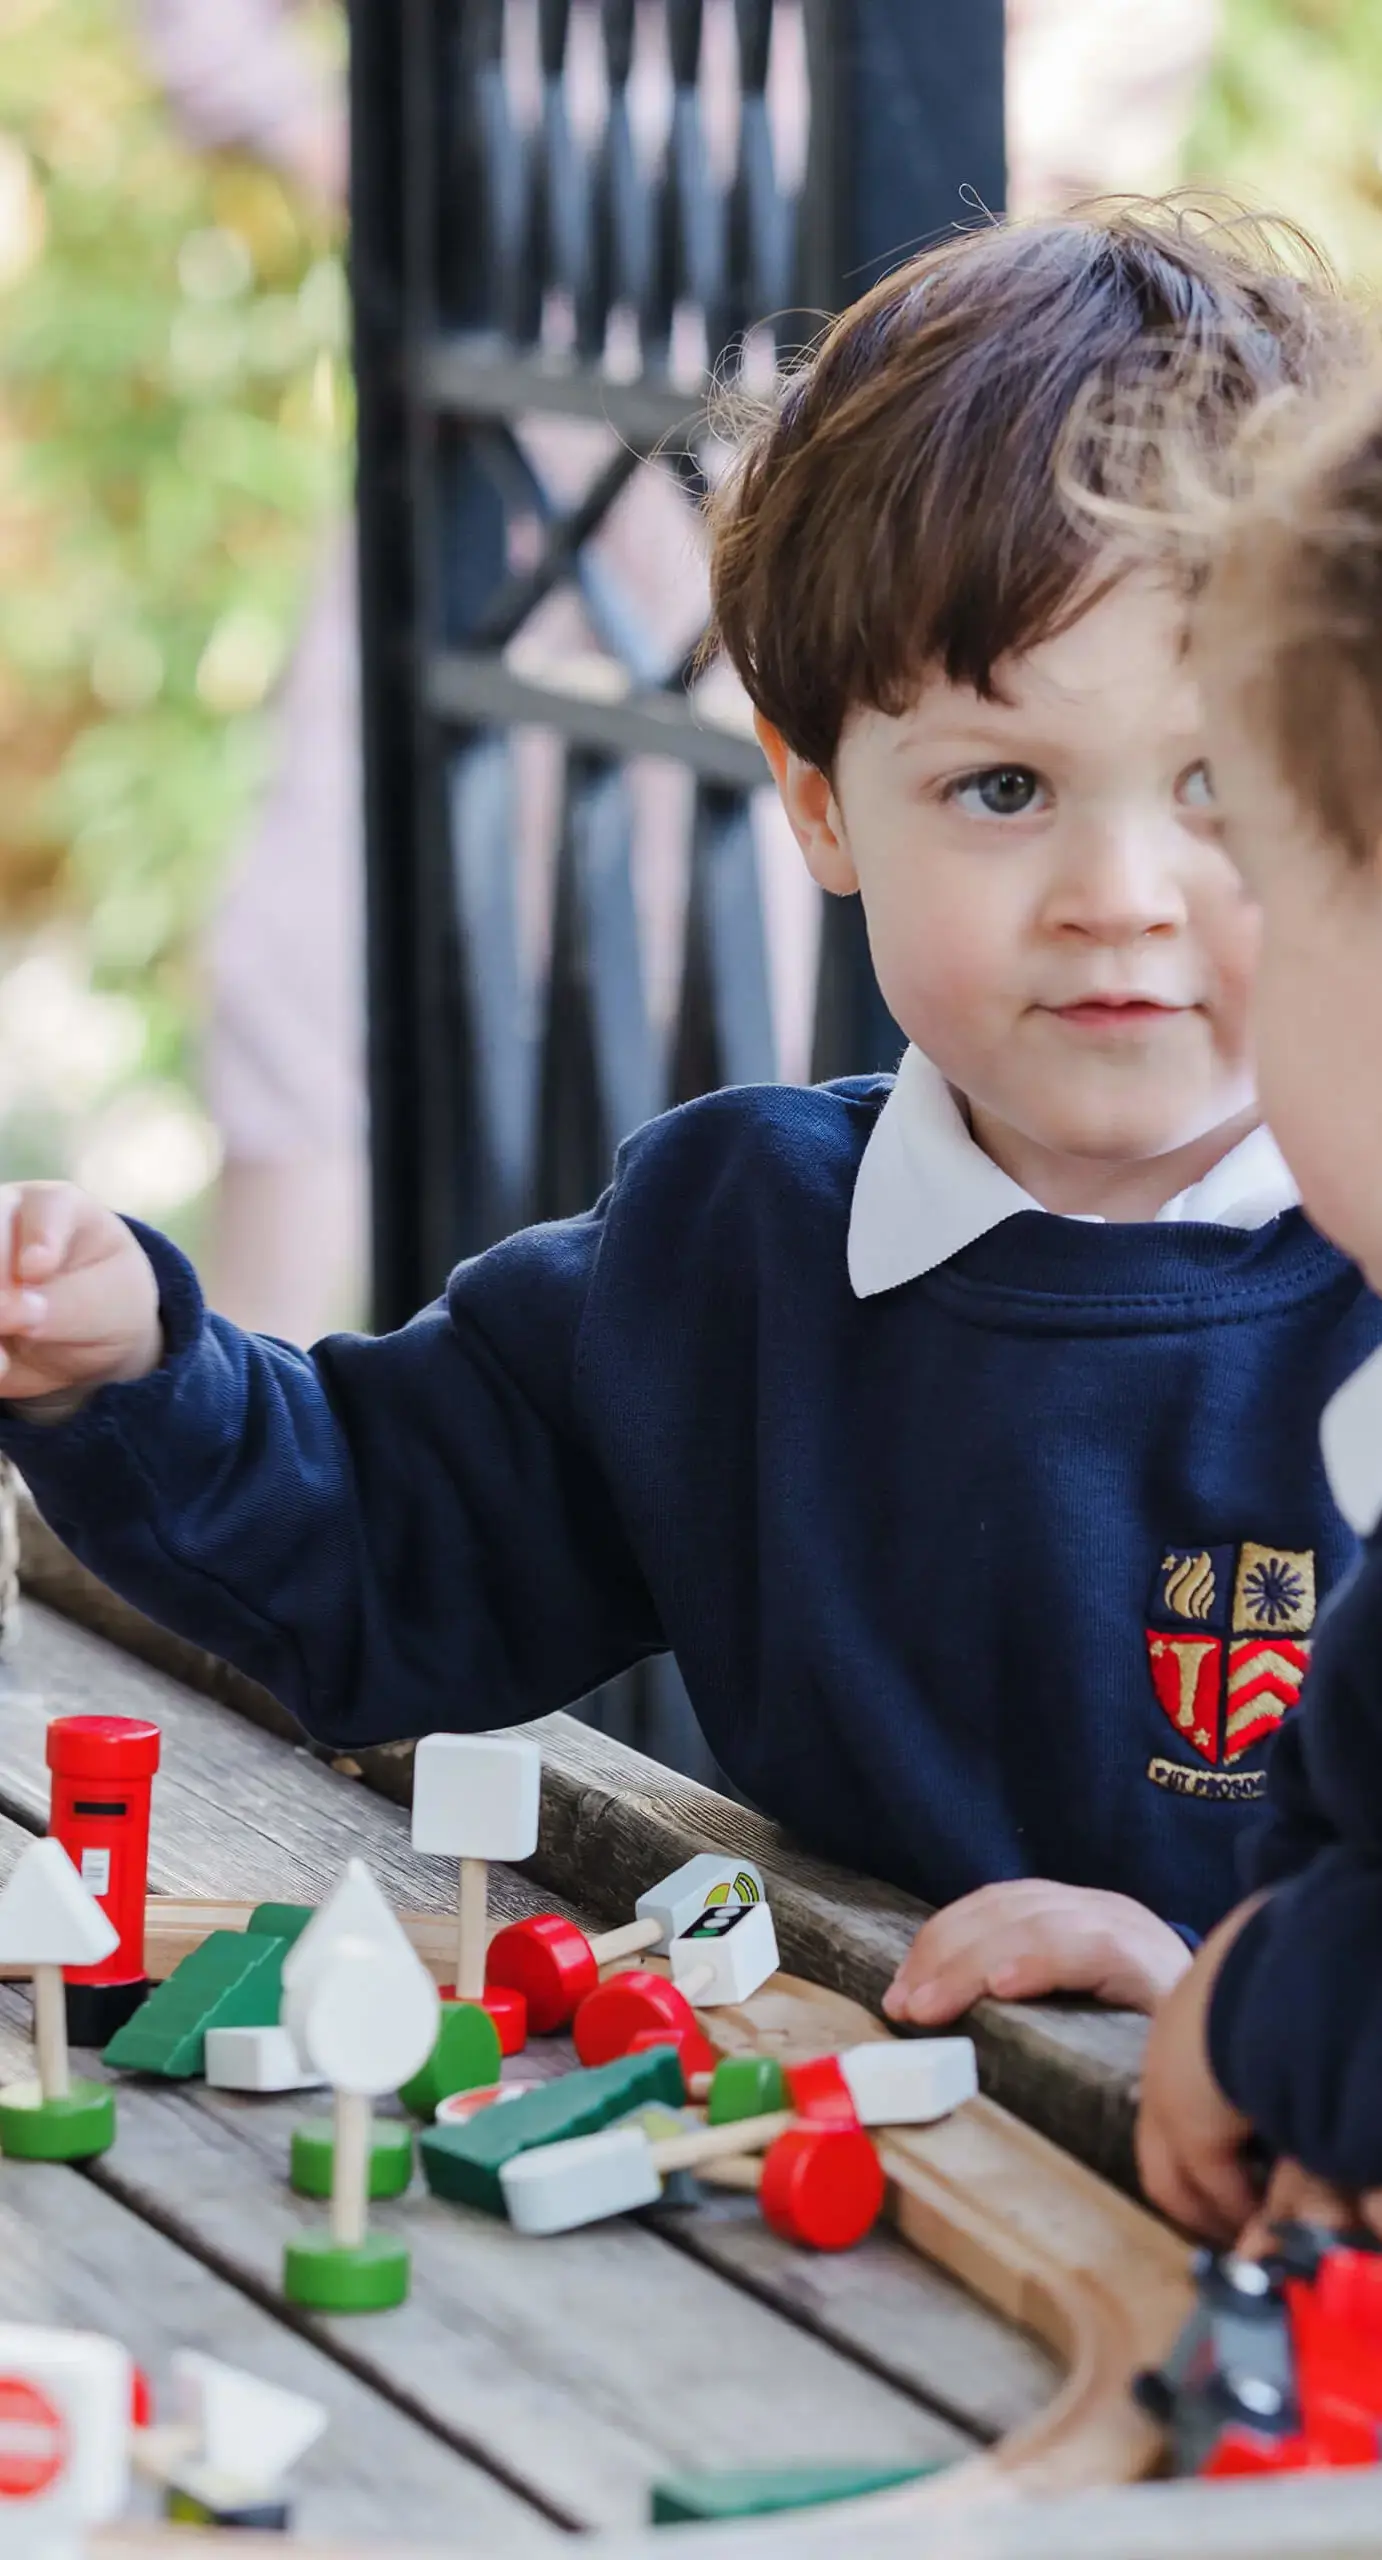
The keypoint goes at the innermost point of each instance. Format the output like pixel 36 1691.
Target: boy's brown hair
pixel 895 511
pixel 1292 604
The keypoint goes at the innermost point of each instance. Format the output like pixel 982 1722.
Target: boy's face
pixel 1317 1005
pixel 1052 917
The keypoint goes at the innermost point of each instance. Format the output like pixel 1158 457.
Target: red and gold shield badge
pixel 1228 1648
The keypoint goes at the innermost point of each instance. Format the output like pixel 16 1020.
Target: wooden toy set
pixel 700 2065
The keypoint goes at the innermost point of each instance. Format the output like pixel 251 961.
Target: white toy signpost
pixel 362 2010
pixel 726 1955
pixel 49 1919
pixel 64 2438
pixel 476 1799
pixel 556 1966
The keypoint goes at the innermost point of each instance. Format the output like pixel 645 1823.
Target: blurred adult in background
pixel 283 956
pixel 1100 94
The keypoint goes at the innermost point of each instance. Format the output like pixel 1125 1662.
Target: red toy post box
pixel 103 1772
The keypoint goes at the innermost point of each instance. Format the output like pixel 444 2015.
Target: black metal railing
pixel 569 217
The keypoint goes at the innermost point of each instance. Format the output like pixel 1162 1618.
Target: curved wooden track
pixel 1037 2236
pixel 1030 2231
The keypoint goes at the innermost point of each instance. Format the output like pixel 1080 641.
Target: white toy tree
pixel 362 2010
pixel 48 1919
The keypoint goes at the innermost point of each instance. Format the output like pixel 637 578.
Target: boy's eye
pixel 1195 789
pixel 999 791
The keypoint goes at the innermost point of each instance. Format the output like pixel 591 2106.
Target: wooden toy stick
pixel 50 2031
pixel 630 1940
pixel 350 2174
pixel 720 2141
pixel 472 1928
pixel 746 2175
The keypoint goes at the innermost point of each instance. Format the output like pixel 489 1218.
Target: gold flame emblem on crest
pixel 1189 1587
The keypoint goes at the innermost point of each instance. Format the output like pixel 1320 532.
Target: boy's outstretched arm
pixel 390 1534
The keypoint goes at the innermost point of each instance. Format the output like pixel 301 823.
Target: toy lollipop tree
pixel 363 2011
pixel 48 1919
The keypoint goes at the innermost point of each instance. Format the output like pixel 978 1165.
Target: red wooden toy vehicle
pixel 1279 2367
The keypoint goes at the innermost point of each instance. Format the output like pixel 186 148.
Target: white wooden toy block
pixel 259 2059
pixel 475 1795
pixel 248 2434
pixel 681 1897
pixel 475 1798
pixel 48 1916
pixel 726 1954
pixel 64 2438
pixel 565 2184
pixel 910 2083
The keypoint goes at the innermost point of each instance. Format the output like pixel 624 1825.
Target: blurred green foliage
pixel 1292 117
pixel 174 425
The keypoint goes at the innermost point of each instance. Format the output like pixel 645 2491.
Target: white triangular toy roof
pixel 47 1915
pixel 250 2430
pixel 355 1908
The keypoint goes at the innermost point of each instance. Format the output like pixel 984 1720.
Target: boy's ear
pixel 813 811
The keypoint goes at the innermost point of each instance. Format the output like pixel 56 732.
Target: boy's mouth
pixel 1113 1014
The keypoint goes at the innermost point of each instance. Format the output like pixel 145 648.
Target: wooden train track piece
pixel 1030 2231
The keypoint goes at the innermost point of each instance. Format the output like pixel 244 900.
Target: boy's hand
pixel 1189 2139
pixel 1018 1940
pixel 1296 2195
pixel 78 1297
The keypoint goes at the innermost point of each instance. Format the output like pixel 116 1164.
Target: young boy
pixel 1278 2027
pixel 989 1540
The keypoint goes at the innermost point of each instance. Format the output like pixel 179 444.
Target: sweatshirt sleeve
pixel 1295 2021
pixel 392 1534
pixel 1295 1826
pixel 1295 2018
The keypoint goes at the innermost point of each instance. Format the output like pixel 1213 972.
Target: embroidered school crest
pixel 1227 1646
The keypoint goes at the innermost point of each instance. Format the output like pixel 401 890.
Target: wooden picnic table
pixel 528 2391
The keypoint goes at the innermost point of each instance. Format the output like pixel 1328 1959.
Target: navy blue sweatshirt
pixel 1295 2026
pixel 1007 1571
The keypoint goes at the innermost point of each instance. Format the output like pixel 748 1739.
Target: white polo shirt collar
pixel 925 1190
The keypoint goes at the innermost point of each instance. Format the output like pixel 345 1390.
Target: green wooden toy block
pixel 313 2157
pixel 322 2276
pixel 462 2161
pixel 746 2084
pixel 713 2497
pixel 279 1920
pixel 466 2055
pixel 233 1979
pixel 76 2127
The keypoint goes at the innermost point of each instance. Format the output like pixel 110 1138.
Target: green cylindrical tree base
pixel 313 2158
pixel 76 2127
pixel 322 2276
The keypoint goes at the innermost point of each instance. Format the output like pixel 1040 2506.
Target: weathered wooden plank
pixel 613 1820
pixel 930 2334
pixel 1316 2516
pixel 228 1794
pixel 72 2256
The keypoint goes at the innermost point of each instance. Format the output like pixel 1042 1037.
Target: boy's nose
pixel 1118 886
